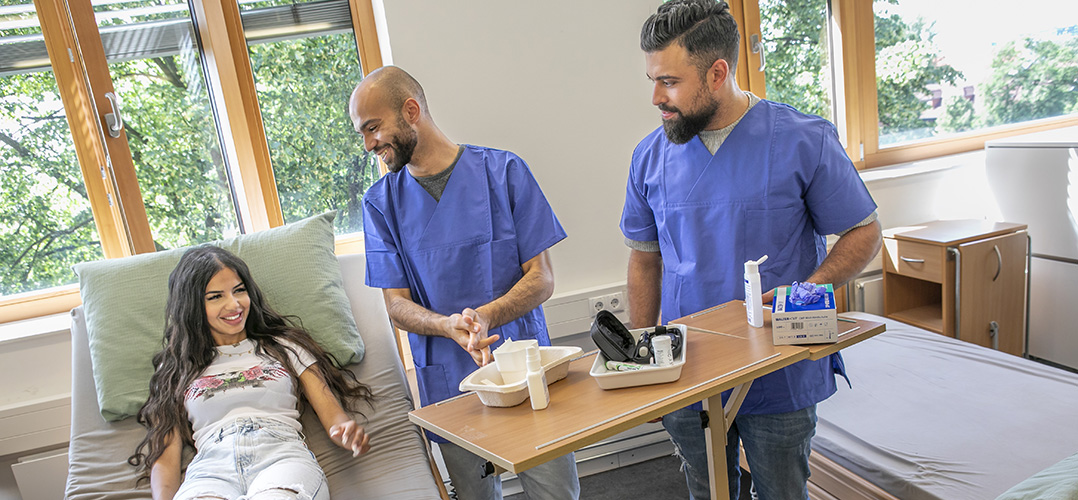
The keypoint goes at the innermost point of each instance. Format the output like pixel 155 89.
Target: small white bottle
pixel 663 347
pixel 754 307
pixel 537 389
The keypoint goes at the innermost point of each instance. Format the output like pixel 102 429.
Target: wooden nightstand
pixel 961 278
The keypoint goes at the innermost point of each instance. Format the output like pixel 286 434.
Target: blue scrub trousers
pixel 776 445
pixel 554 480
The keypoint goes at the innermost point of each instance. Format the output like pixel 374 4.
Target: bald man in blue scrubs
pixel 457 239
pixel 728 178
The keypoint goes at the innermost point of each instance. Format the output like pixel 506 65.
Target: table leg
pixel 715 435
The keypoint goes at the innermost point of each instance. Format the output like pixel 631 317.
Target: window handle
pixel 114 120
pixel 758 48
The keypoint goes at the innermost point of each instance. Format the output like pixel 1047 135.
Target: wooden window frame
pixel 125 231
pixel 236 101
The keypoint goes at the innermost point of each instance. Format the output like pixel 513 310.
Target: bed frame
pixel 831 481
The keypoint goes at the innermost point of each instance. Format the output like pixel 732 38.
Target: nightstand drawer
pixel 916 260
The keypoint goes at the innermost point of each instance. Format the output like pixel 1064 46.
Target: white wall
pixel 953 187
pixel 561 83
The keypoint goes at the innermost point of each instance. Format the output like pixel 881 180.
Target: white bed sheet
pixel 931 417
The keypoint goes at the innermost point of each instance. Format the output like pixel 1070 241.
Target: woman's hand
pixel 341 428
pixel 350 436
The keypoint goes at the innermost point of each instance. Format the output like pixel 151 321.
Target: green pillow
pixel 1058 482
pixel 124 300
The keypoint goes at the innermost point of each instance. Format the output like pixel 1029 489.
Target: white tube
pixel 754 307
pixel 537 389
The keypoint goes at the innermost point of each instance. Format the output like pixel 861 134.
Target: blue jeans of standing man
pixel 554 480
pixel 777 447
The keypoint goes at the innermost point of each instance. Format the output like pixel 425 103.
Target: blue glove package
pixel 805 293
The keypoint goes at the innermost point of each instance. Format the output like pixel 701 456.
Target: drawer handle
pixel 999 262
pixel 912 261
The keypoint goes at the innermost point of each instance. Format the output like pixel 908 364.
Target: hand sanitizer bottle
pixel 537 389
pixel 754 307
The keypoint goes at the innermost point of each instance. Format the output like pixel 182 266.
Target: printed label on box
pixel 815 323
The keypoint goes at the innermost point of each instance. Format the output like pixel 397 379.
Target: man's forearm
pixel 534 288
pixel 851 253
pixel 411 317
pixel 645 288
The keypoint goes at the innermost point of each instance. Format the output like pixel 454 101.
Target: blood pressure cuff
pixel 617 344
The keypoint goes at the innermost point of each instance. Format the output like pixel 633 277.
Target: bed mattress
pixel 931 417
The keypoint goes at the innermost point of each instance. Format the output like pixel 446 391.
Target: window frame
pixel 112 184
pixel 853 24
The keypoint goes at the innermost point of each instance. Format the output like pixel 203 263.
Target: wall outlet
pixel 616 301
pixel 613 302
pixel 573 313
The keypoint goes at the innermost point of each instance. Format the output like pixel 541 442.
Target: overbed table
pixel 722 352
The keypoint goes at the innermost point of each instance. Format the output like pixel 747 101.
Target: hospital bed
pixel 931 417
pixel 396 467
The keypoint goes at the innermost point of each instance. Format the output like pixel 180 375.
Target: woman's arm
pixel 342 429
pixel 165 472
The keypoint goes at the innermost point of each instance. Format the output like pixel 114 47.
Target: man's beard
pixel 685 126
pixel 403 145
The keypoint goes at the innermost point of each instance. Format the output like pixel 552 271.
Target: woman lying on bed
pixel 225 383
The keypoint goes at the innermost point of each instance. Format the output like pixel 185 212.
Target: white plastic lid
pixel 753 266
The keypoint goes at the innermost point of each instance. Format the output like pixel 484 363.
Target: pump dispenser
pixel 537 389
pixel 754 307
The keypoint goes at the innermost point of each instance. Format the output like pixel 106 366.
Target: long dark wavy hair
pixel 189 349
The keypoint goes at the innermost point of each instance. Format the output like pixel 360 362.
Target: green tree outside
pixel 46 224
pixel 1029 79
pixel 796 55
pixel 318 158
pixel 1032 79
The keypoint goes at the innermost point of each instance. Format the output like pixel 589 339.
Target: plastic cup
pixel 512 359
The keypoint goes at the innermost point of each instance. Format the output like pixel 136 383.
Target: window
pixel 319 163
pixel 911 79
pixel 46 221
pixel 153 62
pixel 191 162
pixel 943 68
pixel 798 54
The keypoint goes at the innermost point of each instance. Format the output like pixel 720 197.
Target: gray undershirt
pixel 712 140
pixel 435 184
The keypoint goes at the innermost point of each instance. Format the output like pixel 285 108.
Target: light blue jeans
pixel 255 458
pixel 777 447
pixel 554 480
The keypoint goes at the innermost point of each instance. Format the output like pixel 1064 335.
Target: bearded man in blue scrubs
pixel 729 178
pixel 457 239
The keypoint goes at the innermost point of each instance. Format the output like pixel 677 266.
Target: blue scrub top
pixel 779 183
pixel 463 251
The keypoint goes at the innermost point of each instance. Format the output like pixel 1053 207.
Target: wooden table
pixel 722 353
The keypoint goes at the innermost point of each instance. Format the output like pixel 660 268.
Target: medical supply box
pixel 815 323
